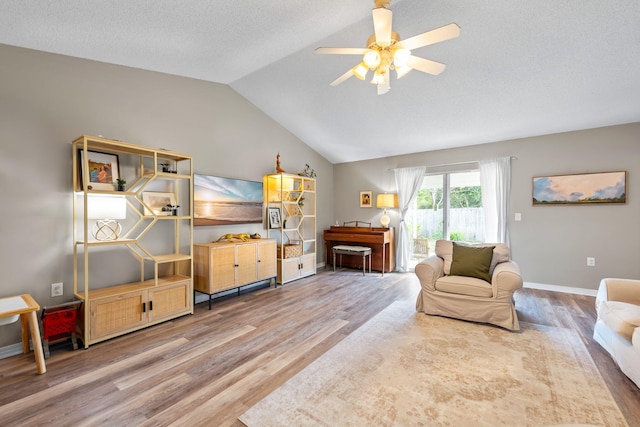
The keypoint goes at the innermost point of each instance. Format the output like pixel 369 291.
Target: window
pixel 448 206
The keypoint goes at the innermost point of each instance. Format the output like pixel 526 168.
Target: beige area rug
pixel 404 368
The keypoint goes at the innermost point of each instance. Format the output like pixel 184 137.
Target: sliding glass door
pixel 448 206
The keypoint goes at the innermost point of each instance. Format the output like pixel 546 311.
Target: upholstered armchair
pixel 474 283
pixel 617 328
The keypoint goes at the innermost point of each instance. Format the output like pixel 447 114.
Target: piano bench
pixel 362 251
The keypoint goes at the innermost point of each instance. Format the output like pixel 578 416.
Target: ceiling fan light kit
pixel 386 52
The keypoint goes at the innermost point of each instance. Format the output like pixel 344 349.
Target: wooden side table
pixel 26 307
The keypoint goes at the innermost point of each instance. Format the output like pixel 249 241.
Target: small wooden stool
pixel 352 250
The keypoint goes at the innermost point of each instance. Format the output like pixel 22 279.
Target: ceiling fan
pixel 385 51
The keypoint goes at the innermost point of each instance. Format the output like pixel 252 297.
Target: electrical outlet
pixel 518 216
pixel 57 289
pixel 591 261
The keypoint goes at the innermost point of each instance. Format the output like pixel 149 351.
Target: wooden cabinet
pixel 291 220
pixel 220 266
pixel 125 308
pixel 266 259
pixel 155 179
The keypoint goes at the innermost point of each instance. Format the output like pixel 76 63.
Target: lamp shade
pixel 387 201
pixel 106 209
pixel 106 206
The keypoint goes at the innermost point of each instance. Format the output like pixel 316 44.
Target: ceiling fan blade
pixel 342 78
pixel 341 50
pixel 385 86
pixel 425 65
pixel 382 24
pixel 430 37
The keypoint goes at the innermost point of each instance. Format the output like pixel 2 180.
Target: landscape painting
pixel 580 189
pixel 225 201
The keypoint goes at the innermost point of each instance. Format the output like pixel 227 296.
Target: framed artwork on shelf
pixel 580 189
pixel 158 204
pixel 103 171
pixel 274 218
pixel 365 199
pixel 226 201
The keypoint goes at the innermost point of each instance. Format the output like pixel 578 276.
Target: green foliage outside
pixel 459 197
pixel 456 236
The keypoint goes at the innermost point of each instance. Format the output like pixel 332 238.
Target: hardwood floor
pixel 209 368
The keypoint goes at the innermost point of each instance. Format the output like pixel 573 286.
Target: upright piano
pixel 380 240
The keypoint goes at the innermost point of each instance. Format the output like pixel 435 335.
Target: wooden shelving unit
pixel 294 197
pixel 165 286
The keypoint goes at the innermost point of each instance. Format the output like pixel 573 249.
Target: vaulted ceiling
pixel 519 68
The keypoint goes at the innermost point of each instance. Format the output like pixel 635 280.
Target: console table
pixel 25 306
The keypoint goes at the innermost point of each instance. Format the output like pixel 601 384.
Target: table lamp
pixel 106 209
pixel 386 201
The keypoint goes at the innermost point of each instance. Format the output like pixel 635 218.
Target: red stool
pixel 59 322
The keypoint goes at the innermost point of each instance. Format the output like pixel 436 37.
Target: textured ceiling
pixel 519 68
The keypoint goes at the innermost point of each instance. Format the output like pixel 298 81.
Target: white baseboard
pixel 565 289
pixel 12 350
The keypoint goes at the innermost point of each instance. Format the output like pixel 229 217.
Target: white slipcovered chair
pixel 444 292
pixel 617 327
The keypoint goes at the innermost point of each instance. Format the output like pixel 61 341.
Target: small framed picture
pixel 365 199
pixel 274 218
pixel 158 204
pixel 103 170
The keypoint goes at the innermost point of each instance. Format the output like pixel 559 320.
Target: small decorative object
pixel 165 167
pixel 243 236
pixel 278 168
pixel 121 182
pixel 365 199
pixel 308 172
pixel 172 208
pixel 274 218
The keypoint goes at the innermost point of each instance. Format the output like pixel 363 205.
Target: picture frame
pixel 366 198
pixel 580 189
pixel 226 201
pixel 156 203
pixel 275 220
pixel 104 170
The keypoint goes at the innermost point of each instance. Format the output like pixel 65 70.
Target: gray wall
pixel 551 243
pixel 48 100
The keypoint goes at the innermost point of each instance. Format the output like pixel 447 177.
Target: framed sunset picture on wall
pixel 580 189
pixel 225 201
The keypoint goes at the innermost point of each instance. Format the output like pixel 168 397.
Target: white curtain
pixel 495 179
pixel 408 183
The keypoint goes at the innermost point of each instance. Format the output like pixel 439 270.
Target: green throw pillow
pixel 471 261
